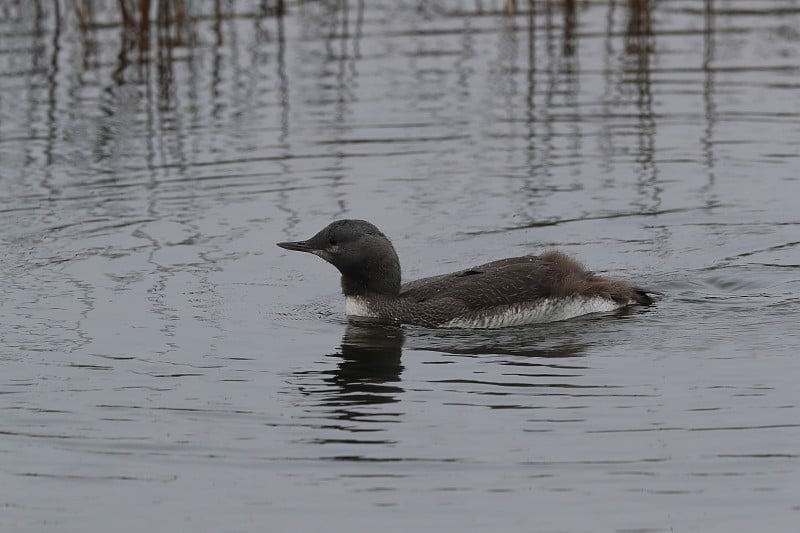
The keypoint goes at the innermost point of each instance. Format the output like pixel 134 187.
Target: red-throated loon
pixel 509 292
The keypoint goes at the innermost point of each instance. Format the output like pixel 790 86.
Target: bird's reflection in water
pixel 549 341
pixel 522 349
pixel 370 364
pixel 367 372
pixel 366 377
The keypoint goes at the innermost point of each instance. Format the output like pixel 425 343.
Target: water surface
pixel 166 366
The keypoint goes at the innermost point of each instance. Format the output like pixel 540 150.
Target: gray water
pixel 165 367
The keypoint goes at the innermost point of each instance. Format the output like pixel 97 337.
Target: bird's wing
pixel 502 282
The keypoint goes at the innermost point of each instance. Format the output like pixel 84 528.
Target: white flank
pixel 549 310
pixel 356 306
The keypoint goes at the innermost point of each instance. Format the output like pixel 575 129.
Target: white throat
pixel 357 306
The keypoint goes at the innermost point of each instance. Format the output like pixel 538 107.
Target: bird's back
pixel 511 291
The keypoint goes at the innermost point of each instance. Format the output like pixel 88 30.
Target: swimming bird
pixel 508 292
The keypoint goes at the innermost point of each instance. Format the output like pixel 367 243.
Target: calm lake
pixel 165 367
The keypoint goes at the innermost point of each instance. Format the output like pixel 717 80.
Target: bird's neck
pixel 385 282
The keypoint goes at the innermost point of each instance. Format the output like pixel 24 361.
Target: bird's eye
pixel 332 241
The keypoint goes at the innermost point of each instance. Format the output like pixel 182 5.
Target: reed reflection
pixel 640 47
pixel 570 22
pixel 709 105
